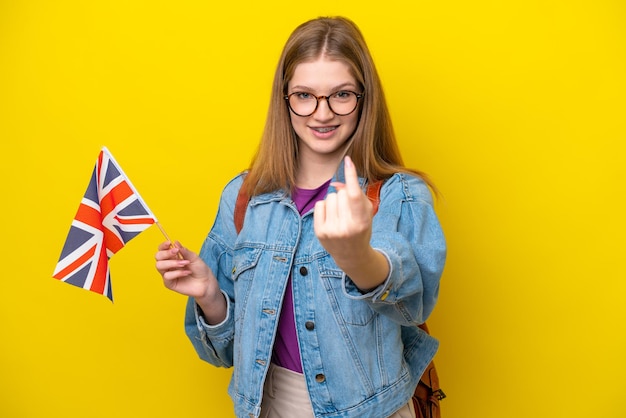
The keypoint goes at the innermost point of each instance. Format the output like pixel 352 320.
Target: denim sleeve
pixel 407 232
pixel 214 343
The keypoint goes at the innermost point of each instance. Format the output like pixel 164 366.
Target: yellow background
pixel 516 109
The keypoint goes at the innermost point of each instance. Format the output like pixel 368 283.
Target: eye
pixel 342 95
pixel 303 96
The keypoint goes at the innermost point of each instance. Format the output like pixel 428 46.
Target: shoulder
pixel 406 188
pixel 223 230
pixel 232 187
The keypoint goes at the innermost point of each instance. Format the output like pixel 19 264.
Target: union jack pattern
pixel 110 214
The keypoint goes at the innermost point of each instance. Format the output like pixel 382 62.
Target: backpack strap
pixel 241 204
pixel 373 194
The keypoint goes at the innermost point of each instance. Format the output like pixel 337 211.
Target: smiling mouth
pixel 324 129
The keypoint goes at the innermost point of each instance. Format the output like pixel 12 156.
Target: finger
pixel 172 271
pixel 162 255
pixel 330 212
pixel 168 254
pixel 171 277
pixel 352 179
pixel 319 216
pixel 183 253
pixel 338 186
pixel 169 264
pixel 170 249
pixel 164 245
pixel 174 248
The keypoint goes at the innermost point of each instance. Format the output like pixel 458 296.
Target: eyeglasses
pixel 341 103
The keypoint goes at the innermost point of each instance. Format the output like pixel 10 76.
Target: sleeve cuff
pixel 378 294
pixel 217 330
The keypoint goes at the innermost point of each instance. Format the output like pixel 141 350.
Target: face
pixel 323 134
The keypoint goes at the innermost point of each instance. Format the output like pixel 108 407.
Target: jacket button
pixel 303 271
pixel 320 378
pixel 310 325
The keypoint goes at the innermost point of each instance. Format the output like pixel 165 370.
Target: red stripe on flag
pixel 79 262
pixel 115 196
pixel 90 216
pixel 134 221
pixel 100 278
pixel 111 241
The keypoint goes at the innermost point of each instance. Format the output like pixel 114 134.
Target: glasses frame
pixel 359 96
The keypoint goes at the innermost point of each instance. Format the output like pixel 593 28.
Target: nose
pixel 323 111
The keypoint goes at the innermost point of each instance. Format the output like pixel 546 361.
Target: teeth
pixel 324 130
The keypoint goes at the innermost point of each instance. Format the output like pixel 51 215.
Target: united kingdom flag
pixel 110 214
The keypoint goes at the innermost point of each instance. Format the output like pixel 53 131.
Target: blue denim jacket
pixel 362 354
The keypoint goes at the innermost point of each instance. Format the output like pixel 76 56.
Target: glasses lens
pixel 343 102
pixel 303 104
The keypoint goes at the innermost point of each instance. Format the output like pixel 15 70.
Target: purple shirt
pixel 286 349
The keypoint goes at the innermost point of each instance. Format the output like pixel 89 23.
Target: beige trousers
pixel 285 396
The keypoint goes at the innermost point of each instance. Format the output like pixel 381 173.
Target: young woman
pixel 315 301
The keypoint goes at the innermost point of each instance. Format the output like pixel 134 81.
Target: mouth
pixel 323 129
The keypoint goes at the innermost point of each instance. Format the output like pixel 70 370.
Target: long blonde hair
pixel 374 149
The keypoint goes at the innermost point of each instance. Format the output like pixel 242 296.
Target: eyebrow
pixel 334 89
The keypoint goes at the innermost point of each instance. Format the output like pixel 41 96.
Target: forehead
pixel 322 74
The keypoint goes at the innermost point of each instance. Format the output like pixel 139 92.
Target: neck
pixel 312 174
pixel 315 170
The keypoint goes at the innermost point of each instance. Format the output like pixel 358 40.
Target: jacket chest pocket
pixel 348 310
pixel 245 261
